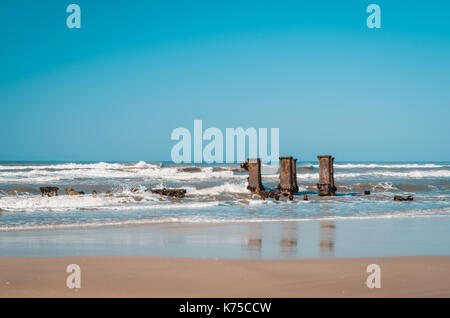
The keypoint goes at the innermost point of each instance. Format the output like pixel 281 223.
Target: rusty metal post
pixel 253 166
pixel 326 176
pixel 288 175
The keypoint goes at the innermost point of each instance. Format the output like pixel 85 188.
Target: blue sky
pixel 116 88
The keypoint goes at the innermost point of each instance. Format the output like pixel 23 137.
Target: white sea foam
pixel 141 201
pixel 224 188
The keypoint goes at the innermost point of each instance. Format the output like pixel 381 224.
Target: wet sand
pixel 144 276
pixel 362 238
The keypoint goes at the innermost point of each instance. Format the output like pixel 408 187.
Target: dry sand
pixel 123 276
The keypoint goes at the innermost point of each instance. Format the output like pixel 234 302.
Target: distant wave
pixel 66 166
pixel 414 174
pixel 150 172
pixel 110 171
pixel 388 166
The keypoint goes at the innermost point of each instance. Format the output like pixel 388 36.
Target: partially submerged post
pixel 49 191
pixel 326 176
pixel 176 193
pixel 400 198
pixel 288 175
pixel 253 166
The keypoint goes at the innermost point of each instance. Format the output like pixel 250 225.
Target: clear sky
pixel 116 88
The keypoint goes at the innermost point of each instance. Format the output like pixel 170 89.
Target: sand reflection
pixel 254 241
pixel 288 240
pixel 327 238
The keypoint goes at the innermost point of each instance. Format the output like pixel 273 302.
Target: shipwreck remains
pixel 288 175
pixel 326 185
pixel 176 193
pixel 286 195
pixel 400 198
pixel 70 191
pixel 253 166
pixel 49 191
pixel 274 194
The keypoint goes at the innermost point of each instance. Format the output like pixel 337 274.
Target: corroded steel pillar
pixel 253 166
pixel 288 175
pixel 326 176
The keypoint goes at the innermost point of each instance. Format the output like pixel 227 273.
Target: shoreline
pixel 144 276
pixel 386 237
pixel 197 223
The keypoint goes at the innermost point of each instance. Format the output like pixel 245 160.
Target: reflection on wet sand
pixel 254 241
pixel 288 241
pixel 327 238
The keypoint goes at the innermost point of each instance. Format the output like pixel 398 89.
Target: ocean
pixel 215 193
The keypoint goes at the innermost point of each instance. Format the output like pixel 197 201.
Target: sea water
pixel 215 193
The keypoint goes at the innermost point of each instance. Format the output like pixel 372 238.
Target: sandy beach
pixel 124 276
pixel 272 259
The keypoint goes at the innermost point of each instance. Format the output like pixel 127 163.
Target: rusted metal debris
pixel 400 198
pixel 274 194
pixel 253 166
pixel 326 185
pixel 70 191
pixel 176 193
pixel 286 195
pixel 288 175
pixel 49 191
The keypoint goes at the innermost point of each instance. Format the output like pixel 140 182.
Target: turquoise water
pixel 215 194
